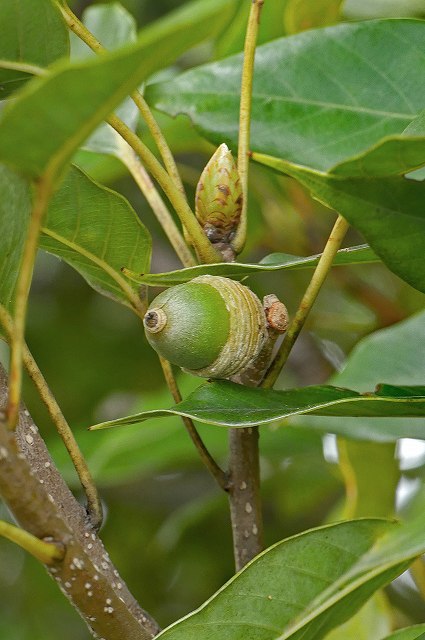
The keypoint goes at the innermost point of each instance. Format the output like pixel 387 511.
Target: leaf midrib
pixel 302 101
pixel 124 287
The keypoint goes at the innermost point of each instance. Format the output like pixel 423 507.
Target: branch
pixel 244 467
pixel 42 194
pixel 45 552
pixel 42 504
pixel 159 208
pixel 94 505
pixel 137 170
pixel 204 248
pixel 245 116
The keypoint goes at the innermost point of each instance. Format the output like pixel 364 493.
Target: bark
pixel 42 504
pixel 244 495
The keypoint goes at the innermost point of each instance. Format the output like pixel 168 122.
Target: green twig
pixel 45 552
pixel 218 474
pixel 159 208
pixel 94 505
pixel 245 116
pixel 86 36
pixel 244 467
pixel 320 273
pixel 43 192
pixel 204 248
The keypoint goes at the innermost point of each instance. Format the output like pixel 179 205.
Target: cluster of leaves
pixel 330 112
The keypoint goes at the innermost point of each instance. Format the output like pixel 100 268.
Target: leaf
pixel 15 209
pixel 417 126
pixel 274 262
pixel 96 231
pixel 392 155
pixel 310 14
pixel 76 98
pixel 372 622
pixel 393 354
pixel 225 403
pixel 371 474
pixel 301 587
pixel 231 40
pixel 113 26
pixel 319 98
pixel 417 632
pixel 365 10
pixel 389 212
pixel 31 32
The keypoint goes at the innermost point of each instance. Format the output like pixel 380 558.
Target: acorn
pixel 212 326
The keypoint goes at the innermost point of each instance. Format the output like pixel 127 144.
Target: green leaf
pixel 113 26
pixel 319 98
pixel 69 103
pixel 15 210
pixel 310 14
pixel 31 32
pixel 389 212
pixel 372 622
pixel 233 36
pixel 371 473
pixel 365 10
pixel 416 632
pixel 96 231
pixel 392 155
pixel 360 254
pixel 225 403
pixel 393 354
pixel 417 126
pixel 301 587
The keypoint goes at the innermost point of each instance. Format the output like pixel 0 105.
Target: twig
pixel 204 248
pixel 159 208
pixel 94 505
pixel 218 474
pixel 86 36
pixel 333 244
pixel 245 116
pixel 244 494
pixel 42 195
pixel 46 552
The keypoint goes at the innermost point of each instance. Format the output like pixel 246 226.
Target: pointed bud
pixel 218 199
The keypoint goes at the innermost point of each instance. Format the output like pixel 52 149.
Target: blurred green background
pixel 167 525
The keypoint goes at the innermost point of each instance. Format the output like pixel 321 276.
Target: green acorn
pixel 212 327
pixel 218 198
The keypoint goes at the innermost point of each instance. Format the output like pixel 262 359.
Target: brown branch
pixel 43 505
pixel 244 495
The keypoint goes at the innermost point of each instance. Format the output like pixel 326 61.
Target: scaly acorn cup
pixel 218 198
pixel 212 327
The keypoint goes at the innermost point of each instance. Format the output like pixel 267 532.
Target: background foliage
pixel 158 497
